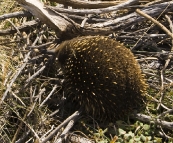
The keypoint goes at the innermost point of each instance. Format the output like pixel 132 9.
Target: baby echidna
pixel 102 75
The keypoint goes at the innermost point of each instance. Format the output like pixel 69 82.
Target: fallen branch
pixel 155 22
pixel 74 116
pixel 15 14
pixel 88 4
pixel 95 11
pixel 24 27
pixel 148 119
pixel 59 22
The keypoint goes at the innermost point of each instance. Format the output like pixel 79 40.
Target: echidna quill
pixel 102 75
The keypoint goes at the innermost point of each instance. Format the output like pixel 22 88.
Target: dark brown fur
pixel 102 75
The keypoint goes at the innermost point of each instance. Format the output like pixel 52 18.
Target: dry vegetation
pixel 32 104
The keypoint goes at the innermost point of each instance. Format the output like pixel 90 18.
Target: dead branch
pixel 24 27
pixel 74 116
pixel 132 18
pixel 76 138
pixel 148 119
pixel 95 11
pixel 15 14
pixel 88 4
pixel 59 22
pixel 65 26
pixel 156 22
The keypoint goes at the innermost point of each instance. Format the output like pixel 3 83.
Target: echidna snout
pixel 102 75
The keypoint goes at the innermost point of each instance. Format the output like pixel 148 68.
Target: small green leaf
pixel 157 140
pixel 146 127
pixel 136 138
pixel 131 134
pixel 131 141
pixel 143 138
pixel 148 138
pixel 121 131
pixel 127 136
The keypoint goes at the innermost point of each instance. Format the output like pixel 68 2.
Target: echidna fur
pixel 102 75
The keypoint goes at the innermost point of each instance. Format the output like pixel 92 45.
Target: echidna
pixel 102 75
